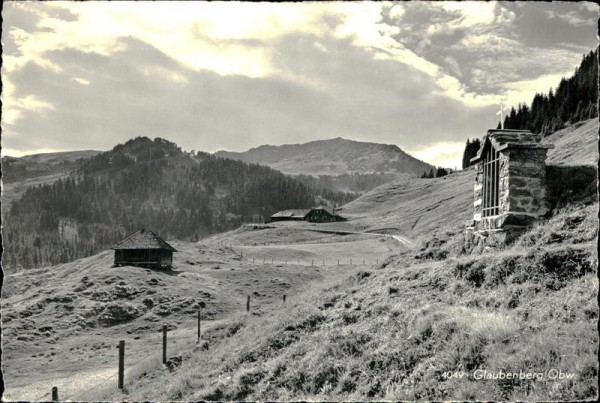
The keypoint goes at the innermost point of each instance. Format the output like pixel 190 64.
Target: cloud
pixel 572 18
pixel 129 96
pixel 91 74
pixel 480 49
pixel 447 154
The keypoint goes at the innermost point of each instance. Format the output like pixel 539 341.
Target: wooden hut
pixel 144 249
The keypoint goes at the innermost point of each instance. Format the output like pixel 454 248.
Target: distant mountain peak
pixel 335 156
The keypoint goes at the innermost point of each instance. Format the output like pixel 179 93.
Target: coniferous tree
pixel 146 184
pixel 470 151
pixel 573 100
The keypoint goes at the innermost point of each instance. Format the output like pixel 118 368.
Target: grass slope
pixel 575 145
pixel 31 170
pixel 394 331
pixel 62 323
pixel 415 207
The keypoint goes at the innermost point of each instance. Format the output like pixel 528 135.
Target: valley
pixel 299 201
pixel 63 323
pixel 369 291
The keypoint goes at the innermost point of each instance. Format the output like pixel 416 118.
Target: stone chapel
pixel 510 185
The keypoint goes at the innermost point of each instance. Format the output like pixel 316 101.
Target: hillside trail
pixel 76 384
pixel 402 239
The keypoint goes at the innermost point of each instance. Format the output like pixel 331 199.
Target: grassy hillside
pixel 60 323
pixel 575 145
pixel 402 329
pixel 423 325
pixel 332 157
pixel 31 170
pixel 416 207
pixel 35 165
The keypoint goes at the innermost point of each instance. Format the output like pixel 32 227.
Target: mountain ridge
pixel 343 156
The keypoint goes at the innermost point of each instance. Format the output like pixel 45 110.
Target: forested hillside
pixel 145 184
pixel 29 166
pixel 575 99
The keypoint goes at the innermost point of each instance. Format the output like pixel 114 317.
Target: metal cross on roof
pixel 501 113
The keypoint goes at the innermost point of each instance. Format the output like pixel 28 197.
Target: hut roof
pixel 292 213
pixel 143 239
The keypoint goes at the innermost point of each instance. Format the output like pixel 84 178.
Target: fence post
pixel 284 299
pixel 350 262
pixel 312 262
pixel 338 262
pixel 164 344
pixel 248 304
pixel 271 260
pixel 55 394
pixel 201 305
pixel 121 363
pixel 199 310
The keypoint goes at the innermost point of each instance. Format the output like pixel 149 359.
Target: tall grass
pixel 395 332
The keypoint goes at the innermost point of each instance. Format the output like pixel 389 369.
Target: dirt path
pixel 402 239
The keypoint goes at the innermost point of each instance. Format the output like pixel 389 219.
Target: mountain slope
pixel 28 166
pixel 414 328
pixel 574 145
pixel 416 207
pixel 20 173
pixel 332 157
pixel 145 184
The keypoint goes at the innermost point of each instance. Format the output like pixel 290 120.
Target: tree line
pixel 574 100
pixel 435 173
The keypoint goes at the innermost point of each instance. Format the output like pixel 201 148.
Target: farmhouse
pixel 290 215
pixel 144 249
pixel 510 184
pixel 316 215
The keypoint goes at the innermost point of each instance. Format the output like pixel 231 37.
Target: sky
pixel 231 76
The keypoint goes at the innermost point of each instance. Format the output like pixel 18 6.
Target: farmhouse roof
pixel 327 209
pixel 292 213
pixel 504 139
pixel 143 239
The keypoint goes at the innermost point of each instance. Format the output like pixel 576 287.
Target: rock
pixel 115 313
pixel 173 363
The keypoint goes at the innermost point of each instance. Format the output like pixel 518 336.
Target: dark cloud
pixel 329 87
pixel 16 17
pixel 130 94
pixel 518 47
pixel 536 29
